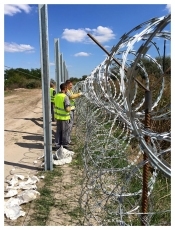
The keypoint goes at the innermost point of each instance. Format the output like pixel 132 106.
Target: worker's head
pixel 51 85
pixel 63 87
pixel 69 84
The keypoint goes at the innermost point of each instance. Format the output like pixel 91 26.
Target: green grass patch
pixel 46 201
pixel 43 204
pixel 76 213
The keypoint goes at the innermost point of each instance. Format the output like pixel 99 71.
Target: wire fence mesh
pixel 110 122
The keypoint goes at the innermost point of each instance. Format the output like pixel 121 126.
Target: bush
pixel 33 84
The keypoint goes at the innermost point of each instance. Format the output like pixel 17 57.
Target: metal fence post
pixel 62 70
pixel 148 102
pixel 57 64
pixel 43 30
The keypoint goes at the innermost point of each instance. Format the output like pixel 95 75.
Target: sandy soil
pixel 23 132
pixel 23 144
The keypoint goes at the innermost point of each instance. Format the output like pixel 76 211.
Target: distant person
pixel 62 117
pixel 72 96
pixel 52 96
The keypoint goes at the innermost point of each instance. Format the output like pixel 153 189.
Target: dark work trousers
pixel 71 119
pixel 62 136
pixel 52 110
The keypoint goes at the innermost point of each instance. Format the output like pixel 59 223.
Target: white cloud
pixel 13 47
pixel 12 9
pixel 52 63
pixel 102 34
pixel 74 35
pixel 87 29
pixel 168 7
pixel 82 54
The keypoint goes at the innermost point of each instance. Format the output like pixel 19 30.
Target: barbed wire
pixel 110 123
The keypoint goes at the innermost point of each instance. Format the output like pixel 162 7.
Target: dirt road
pixel 23 132
pixel 23 145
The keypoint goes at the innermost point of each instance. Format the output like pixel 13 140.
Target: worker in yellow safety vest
pixel 52 96
pixel 62 117
pixel 72 96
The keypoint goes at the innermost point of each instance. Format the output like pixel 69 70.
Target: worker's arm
pixel 69 108
pixel 67 105
pixel 74 95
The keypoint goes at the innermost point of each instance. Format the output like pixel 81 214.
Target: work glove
pixel 82 93
pixel 73 107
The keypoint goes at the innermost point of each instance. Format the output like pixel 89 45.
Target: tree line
pixel 25 78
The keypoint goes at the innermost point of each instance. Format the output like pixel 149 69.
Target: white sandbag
pixel 62 161
pixel 10 193
pixel 28 186
pixel 12 208
pixel 32 180
pixel 62 156
pixel 28 195
pixel 14 212
pixel 13 181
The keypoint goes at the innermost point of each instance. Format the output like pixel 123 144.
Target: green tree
pixel 83 77
pixel 74 80
pixel 22 78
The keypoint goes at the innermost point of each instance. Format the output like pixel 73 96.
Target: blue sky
pixel 71 23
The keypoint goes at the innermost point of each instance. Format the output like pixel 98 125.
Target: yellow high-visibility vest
pixel 59 111
pixel 51 94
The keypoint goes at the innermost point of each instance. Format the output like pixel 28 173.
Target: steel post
pixel 44 52
pixel 57 64
pixel 148 102
pixel 61 64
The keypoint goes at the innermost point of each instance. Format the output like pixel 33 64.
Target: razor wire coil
pixel 110 118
